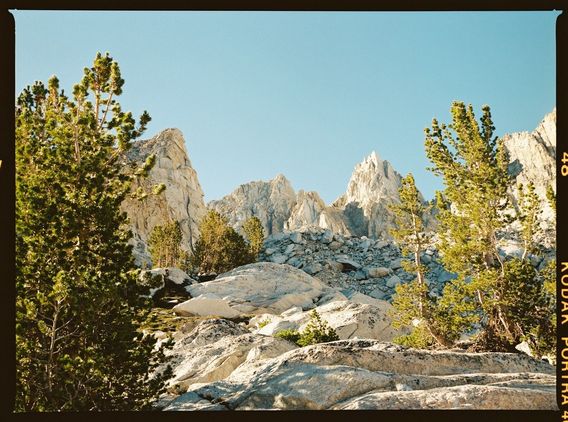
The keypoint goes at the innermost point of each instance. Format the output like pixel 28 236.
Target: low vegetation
pixel 317 331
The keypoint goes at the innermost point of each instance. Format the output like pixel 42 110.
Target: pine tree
pixel 528 215
pixel 255 235
pixel 551 197
pixel 473 210
pixel 219 247
pixel 542 336
pixel 164 244
pixel 78 304
pixel 412 302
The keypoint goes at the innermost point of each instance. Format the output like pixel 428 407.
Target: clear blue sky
pixel 308 95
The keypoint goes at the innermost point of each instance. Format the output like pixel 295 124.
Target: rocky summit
pixel 270 202
pixel 182 200
pixel 361 211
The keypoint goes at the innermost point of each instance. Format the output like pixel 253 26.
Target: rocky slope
pixel 532 157
pixel 182 200
pixel 351 264
pixel 237 363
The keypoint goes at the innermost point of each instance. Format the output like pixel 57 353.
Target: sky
pixel 305 94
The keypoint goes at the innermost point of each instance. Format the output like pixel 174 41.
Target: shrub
pixel 418 338
pixel 290 335
pixel 263 323
pixel 317 331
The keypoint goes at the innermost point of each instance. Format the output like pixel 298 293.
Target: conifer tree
pixel 542 336
pixel 255 235
pixel 412 301
pixel 551 197
pixel 164 244
pixel 78 303
pixel 219 247
pixel 528 215
pixel 473 210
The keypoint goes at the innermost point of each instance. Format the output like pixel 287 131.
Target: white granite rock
pixel 271 202
pixel 377 271
pixel 306 210
pixel 214 349
pixel 206 305
pixel 349 319
pixel 366 374
pixel 263 288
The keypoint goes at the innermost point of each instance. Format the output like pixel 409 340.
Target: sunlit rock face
pixel 182 200
pixel 367 374
pixel 271 202
pixel 306 210
pixel 532 159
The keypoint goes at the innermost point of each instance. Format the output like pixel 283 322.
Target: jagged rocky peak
pixel 182 200
pixel 270 201
pixel 373 180
pixel 361 211
pixel 373 186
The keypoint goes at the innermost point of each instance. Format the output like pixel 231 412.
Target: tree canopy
pixel 503 296
pixel 219 247
pixel 254 234
pixel 78 303
pixel 164 244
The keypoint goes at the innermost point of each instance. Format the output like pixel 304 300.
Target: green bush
pixel 263 323
pixel 418 338
pixel 290 335
pixel 317 331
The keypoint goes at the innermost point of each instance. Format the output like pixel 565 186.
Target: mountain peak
pixel 374 157
pixel 280 178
